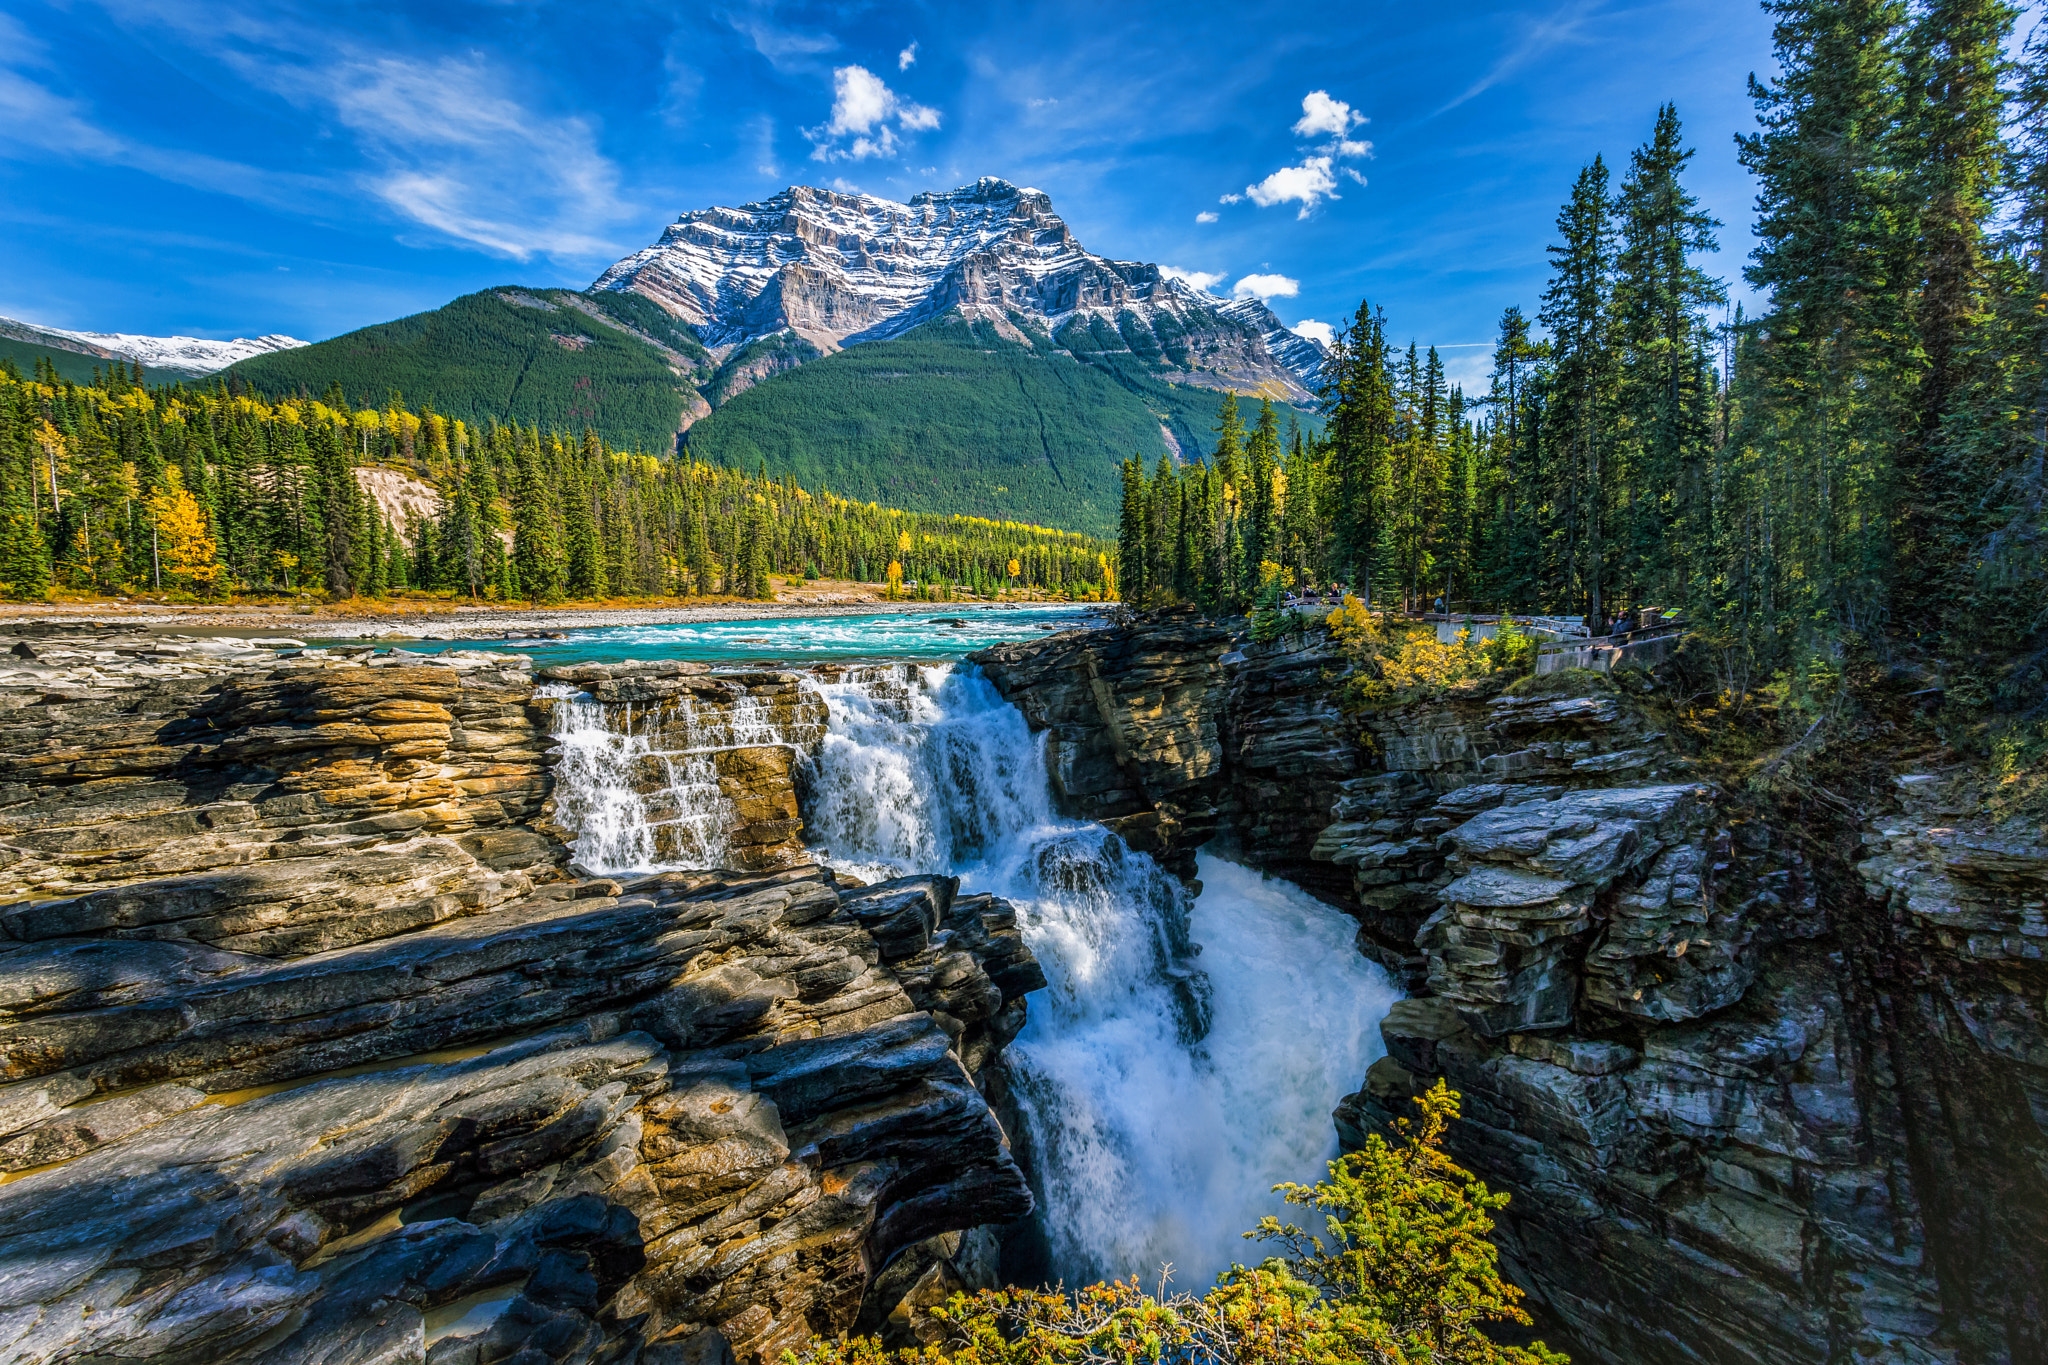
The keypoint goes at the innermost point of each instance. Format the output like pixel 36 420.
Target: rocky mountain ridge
pixel 188 356
pixel 1759 1092
pixel 836 269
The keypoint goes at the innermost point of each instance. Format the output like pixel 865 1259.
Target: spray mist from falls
pixel 1164 1088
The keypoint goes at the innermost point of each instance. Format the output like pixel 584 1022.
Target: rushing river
pixel 1189 1050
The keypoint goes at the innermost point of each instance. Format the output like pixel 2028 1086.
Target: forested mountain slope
pixel 954 417
pixel 548 357
pixel 975 358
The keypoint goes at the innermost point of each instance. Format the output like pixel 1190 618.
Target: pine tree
pixel 1575 310
pixel 1952 155
pixel 1660 302
pixel 1359 402
pixel 1834 366
pixel 1131 541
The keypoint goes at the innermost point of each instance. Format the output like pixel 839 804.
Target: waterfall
pixel 1164 1086
pixel 638 785
pixel 1188 1051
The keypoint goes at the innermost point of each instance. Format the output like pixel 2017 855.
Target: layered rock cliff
pixel 1766 1084
pixel 312 1048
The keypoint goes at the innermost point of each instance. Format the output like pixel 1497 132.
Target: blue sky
pixel 222 169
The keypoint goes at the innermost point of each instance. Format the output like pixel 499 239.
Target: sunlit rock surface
pixel 312 1048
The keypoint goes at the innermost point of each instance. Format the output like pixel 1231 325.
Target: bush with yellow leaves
pixel 1406 1277
pixel 1394 662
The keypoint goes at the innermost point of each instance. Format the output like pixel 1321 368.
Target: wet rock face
pixel 1748 1107
pixel 263 1118
pixel 742 736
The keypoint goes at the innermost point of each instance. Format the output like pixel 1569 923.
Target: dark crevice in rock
pixel 1764 1084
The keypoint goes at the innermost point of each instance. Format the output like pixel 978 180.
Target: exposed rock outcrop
pixel 1751 1106
pixel 310 1050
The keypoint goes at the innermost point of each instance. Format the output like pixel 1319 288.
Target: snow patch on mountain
pixel 194 355
pixel 841 268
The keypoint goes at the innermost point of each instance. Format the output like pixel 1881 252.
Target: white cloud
pixel 1194 279
pixel 906 58
pixel 1230 199
pixel 1205 216
pixel 862 105
pixel 1315 178
pixel 1308 184
pixel 1315 331
pixel 1265 287
pixel 859 100
pixel 1321 114
pixel 461 158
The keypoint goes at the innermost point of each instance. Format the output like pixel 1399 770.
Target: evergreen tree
pixel 1661 296
pixel 1575 310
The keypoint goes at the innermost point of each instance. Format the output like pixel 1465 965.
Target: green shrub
pixel 1407 1276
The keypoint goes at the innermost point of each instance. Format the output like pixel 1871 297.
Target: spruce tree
pixel 1575 310
pixel 1660 302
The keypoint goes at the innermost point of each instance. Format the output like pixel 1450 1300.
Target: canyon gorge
pixel 369 1005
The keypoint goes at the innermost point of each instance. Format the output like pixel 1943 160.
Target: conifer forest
pixel 113 487
pixel 1856 466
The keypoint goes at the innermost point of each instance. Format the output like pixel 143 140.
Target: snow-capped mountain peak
pixel 190 355
pixel 840 268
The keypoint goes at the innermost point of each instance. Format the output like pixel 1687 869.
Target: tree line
pixel 1861 460
pixel 118 487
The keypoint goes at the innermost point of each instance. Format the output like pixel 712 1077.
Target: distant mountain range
pixel 960 353
pixel 161 357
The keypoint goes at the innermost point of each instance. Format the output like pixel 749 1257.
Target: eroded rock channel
pixel 1760 1093
pixel 332 1030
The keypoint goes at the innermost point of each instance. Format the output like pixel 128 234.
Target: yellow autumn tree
pixel 895 578
pixel 185 551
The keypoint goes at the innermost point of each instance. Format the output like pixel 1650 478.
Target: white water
pixel 638 785
pixel 1164 1088
pixel 1163 1093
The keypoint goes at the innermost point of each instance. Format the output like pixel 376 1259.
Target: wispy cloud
pixel 1205 216
pixel 465 160
pixel 787 49
pixel 1538 37
pixel 1315 331
pixel 437 139
pixel 1265 287
pixel 862 107
pixel 907 57
pixel 45 123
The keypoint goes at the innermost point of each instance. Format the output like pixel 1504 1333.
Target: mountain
pixel 553 358
pixel 162 358
pixel 841 269
pixel 958 353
